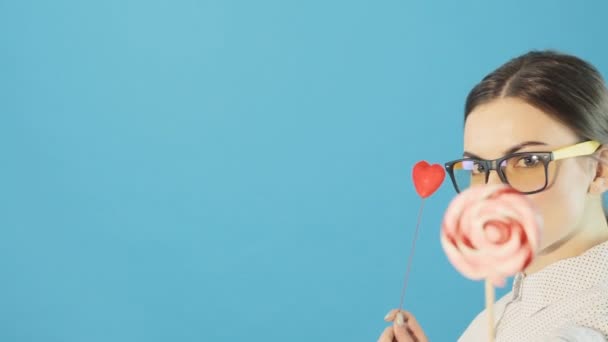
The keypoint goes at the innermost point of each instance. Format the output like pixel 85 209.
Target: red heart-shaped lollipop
pixel 427 178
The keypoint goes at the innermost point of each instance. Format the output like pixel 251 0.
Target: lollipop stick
pixel 490 308
pixel 409 262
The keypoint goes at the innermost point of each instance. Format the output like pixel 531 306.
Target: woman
pixel 515 117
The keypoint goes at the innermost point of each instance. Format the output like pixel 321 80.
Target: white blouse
pixel 565 301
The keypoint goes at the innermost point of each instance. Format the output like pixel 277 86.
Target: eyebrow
pixel 510 150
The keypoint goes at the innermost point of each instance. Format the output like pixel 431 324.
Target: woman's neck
pixel 592 231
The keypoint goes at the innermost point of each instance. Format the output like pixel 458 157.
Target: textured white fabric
pixel 576 333
pixel 565 301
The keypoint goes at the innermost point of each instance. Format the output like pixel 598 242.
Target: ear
pixel 599 184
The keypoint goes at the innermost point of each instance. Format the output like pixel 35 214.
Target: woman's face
pixel 494 128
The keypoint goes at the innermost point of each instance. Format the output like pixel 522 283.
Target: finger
pixel 387 335
pixel 414 326
pixel 393 314
pixel 390 316
pixel 401 330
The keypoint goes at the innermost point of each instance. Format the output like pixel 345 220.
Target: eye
pixel 473 166
pixel 478 168
pixel 528 161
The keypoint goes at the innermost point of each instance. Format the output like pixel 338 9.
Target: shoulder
pixel 581 317
pixel 576 333
pixel 594 311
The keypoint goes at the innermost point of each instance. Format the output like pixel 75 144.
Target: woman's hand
pixel 405 328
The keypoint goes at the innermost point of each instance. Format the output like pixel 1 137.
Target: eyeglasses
pixel 526 172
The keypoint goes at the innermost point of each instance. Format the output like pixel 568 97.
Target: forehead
pixel 494 127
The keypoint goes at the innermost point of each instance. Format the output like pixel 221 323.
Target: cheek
pixel 562 205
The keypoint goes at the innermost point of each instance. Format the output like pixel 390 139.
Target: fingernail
pixel 388 315
pixel 399 320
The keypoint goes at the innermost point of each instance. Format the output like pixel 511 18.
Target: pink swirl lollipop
pixel 491 232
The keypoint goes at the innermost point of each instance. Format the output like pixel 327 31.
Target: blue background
pixel 241 170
